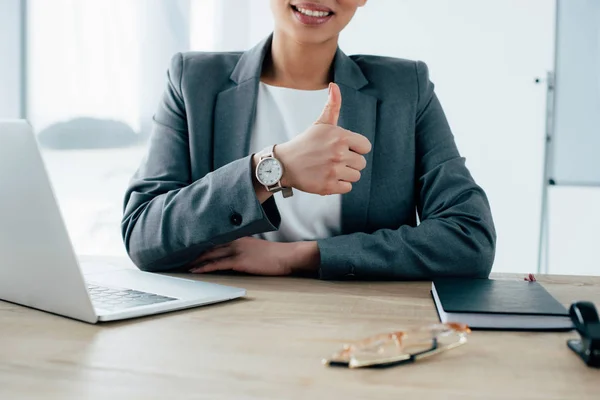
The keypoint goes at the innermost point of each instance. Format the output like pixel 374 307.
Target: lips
pixel 312 13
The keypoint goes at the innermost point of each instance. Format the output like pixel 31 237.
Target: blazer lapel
pixel 234 116
pixel 358 114
pixel 236 107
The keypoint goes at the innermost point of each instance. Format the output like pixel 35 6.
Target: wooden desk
pixel 270 345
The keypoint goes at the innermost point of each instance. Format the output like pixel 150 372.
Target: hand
pixel 325 159
pixel 259 257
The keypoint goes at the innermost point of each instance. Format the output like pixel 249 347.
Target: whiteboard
pixel 575 143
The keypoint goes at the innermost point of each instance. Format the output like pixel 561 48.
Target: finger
pixel 355 161
pixel 202 257
pixel 331 112
pixel 357 142
pixel 344 187
pixel 348 175
pixel 339 187
pixel 215 253
pixel 223 264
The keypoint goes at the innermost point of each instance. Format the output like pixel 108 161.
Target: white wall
pixel 165 30
pixel 229 25
pixel 10 66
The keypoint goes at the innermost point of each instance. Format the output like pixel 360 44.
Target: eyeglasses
pixel 400 347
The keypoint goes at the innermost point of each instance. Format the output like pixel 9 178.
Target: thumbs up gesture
pixel 325 159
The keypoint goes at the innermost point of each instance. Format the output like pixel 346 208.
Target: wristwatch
pixel 269 172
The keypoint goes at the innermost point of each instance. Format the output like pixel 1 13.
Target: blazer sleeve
pixel 456 236
pixel 169 220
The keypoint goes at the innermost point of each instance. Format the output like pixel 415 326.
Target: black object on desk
pixel 586 320
pixel 499 304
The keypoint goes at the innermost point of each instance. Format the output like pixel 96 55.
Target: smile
pixel 312 14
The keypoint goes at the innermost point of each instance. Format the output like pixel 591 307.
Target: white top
pixel 281 114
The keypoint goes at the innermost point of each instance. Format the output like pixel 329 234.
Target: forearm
pixel 409 253
pixel 166 231
pixel 458 242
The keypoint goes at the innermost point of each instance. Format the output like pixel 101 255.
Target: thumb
pixel 331 112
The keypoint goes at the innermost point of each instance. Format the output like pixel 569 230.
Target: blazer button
pixel 352 272
pixel 236 219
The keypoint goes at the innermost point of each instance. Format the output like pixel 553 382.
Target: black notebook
pixel 498 304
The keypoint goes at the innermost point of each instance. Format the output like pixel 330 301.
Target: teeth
pixel 312 13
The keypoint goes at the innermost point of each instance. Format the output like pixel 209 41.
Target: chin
pixel 311 35
pixel 312 38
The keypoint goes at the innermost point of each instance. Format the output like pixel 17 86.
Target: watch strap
pixel 268 152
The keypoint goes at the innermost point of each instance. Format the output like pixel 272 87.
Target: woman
pixel 233 129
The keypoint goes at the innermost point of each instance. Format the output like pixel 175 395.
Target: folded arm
pixel 169 220
pixel 456 236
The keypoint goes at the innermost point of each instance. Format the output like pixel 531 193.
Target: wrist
pixel 282 154
pixel 255 161
pixel 261 192
pixel 304 257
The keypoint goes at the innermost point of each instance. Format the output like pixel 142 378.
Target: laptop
pixel 39 268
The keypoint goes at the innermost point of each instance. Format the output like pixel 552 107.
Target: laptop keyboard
pixel 115 299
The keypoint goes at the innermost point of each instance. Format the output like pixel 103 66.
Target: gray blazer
pixel 194 189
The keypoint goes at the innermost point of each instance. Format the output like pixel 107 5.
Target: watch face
pixel 269 171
